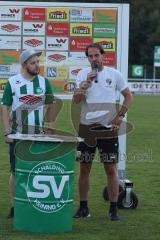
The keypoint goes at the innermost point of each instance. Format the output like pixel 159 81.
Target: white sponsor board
pixel 10 13
pixel 78 58
pixel 144 87
pixel 37 43
pixel 56 58
pixel 34 28
pixel 57 43
pixel 7 70
pixel 81 15
pixel 10 28
pixel 7 42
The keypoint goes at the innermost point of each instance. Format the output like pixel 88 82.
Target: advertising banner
pixel 62 32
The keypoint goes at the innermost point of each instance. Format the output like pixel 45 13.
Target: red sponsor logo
pixel 34 14
pixel 79 44
pixel 33 42
pixel 75 71
pixel 57 29
pixel 57 57
pixel 61 40
pixel 14 10
pixel 10 27
pixel 30 99
pixel 109 59
pixel 38 25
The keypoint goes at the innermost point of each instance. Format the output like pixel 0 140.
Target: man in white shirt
pixel 96 90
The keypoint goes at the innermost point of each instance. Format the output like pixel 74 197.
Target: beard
pixel 33 73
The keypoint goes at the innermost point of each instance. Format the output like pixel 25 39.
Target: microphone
pixel 96 66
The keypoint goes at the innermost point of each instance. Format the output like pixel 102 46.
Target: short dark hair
pixel 94 45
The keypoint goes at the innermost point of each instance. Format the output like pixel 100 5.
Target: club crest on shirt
pixel 39 90
pixel 108 82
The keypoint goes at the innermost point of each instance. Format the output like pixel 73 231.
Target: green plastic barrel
pixel 44 181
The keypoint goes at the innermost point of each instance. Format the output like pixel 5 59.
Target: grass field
pixel 143 167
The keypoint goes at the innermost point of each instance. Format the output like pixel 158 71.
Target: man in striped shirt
pixel 26 93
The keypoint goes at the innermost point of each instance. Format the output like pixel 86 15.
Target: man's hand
pixel 116 122
pixel 91 75
pixel 8 140
pixel 79 95
pixel 49 131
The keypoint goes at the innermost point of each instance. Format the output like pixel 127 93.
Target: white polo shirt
pixel 100 103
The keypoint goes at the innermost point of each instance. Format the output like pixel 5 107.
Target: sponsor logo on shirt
pixel 39 90
pixel 18 82
pixel 30 99
pixel 109 82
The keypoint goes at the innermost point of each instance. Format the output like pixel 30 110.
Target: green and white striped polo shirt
pixel 27 99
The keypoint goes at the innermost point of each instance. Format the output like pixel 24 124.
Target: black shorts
pixel 12 156
pixel 97 137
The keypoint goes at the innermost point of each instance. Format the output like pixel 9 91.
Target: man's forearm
pixel 128 99
pixel 50 116
pixel 5 119
pixel 79 95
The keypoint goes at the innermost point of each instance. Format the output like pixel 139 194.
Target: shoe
pixel 11 213
pixel 82 213
pixel 113 216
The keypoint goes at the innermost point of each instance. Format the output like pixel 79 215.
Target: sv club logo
pixel 48 187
